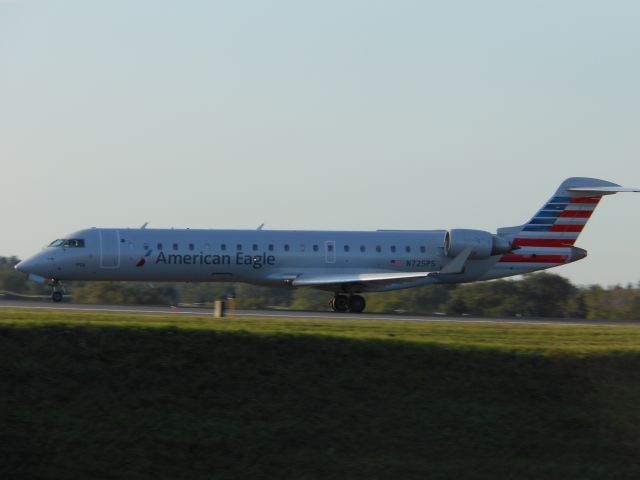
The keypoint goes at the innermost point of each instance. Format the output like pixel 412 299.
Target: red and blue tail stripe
pixel 548 237
pixel 558 223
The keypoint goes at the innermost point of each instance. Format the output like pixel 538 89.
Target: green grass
pixel 114 396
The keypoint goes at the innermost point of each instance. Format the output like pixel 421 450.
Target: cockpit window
pixel 68 242
pixel 75 242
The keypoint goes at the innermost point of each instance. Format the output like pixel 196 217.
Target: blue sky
pixel 327 115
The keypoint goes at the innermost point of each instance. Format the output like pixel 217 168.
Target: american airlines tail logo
pixel 143 260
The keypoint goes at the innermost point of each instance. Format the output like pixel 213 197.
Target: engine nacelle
pixel 483 244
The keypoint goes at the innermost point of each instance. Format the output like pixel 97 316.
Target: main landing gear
pixel 344 303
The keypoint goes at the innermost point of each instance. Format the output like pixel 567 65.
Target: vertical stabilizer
pixel 561 220
pixel 548 239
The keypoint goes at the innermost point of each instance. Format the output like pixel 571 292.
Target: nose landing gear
pixel 351 303
pixel 58 291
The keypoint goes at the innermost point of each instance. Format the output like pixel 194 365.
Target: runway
pixel 207 312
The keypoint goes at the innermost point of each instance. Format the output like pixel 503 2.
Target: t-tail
pixel 549 238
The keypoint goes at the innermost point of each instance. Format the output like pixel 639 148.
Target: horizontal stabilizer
pixel 604 190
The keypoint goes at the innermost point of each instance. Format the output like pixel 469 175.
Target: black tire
pixel 340 303
pixel 356 304
pixel 56 297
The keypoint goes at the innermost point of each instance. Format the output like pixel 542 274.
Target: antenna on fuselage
pixel 144 226
pixel 260 227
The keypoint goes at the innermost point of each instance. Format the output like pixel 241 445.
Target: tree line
pixel 533 295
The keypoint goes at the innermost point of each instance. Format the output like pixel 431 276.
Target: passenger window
pixel 145 246
pixel 346 248
pixel 363 248
pixel 175 246
pixel 159 246
pixel 407 249
pixel 191 246
pixel 330 247
pixel 271 247
pixel 316 248
pixel 378 248
pixel 255 247
pixel 239 247
pixel 393 248
pixel 286 248
pixel 423 249
pixel 223 246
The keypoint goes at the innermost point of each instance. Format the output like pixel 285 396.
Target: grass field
pixel 114 396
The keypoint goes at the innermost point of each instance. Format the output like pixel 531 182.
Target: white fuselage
pixel 264 257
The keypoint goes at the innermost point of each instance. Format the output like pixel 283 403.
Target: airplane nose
pixel 35 264
pixel 20 266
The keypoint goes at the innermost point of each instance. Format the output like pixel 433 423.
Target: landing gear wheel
pixel 356 304
pixel 56 297
pixel 340 303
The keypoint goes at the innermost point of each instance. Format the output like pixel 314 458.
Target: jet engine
pixel 483 244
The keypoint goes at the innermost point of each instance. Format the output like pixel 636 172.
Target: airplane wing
pixel 360 279
pixel 377 279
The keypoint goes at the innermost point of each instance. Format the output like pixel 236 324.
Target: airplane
pixel 346 263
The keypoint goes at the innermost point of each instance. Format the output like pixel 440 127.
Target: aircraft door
pixel 330 251
pixel 109 249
